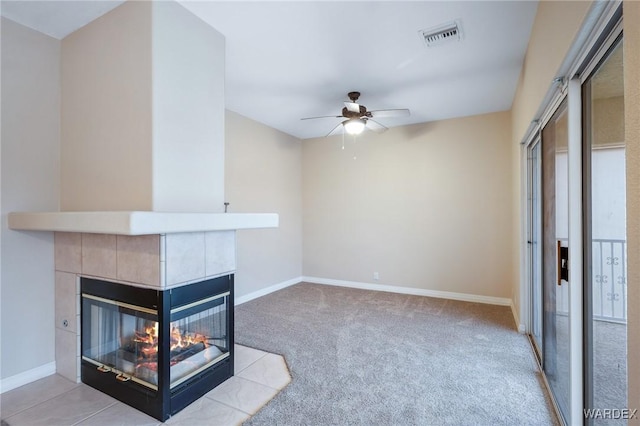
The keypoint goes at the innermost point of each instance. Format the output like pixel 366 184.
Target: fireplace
pixel 157 350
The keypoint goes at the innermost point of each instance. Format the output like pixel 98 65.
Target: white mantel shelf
pixel 139 222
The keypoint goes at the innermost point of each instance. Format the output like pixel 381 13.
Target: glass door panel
pixel 605 238
pixel 554 220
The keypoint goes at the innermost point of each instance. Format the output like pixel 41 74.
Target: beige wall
pixel 555 27
pixel 554 30
pixel 631 10
pixel 426 206
pixel 106 153
pixel 263 175
pixel 30 181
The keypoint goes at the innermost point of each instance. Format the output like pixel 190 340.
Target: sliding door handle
pixel 563 263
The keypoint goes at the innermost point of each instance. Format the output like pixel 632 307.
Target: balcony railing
pixel 609 277
pixel 610 280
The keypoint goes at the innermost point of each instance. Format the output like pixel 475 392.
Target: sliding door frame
pixel 534 243
pixel 579 63
pixel 613 38
pixel 566 93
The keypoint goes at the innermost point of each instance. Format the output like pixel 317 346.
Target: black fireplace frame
pixel 165 402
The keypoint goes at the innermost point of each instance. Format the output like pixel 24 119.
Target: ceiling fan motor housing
pixel 353 96
pixel 354 114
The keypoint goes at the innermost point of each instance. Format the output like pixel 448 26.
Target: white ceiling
pixel 295 59
pixel 56 18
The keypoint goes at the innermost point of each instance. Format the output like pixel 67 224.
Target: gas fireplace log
pixel 176 355
pixel 147 371
pixel 180 354
pixel 141 349
pixel 186 367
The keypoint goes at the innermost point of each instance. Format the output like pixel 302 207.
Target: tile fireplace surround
pixel 139 248
pixel 142 249
pixel 152 261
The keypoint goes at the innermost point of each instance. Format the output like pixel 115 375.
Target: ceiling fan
pixel 358 117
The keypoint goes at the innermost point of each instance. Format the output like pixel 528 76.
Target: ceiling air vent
pixel 442 34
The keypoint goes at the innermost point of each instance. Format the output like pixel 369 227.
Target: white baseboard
pixel 503 301
pixel 519 325
pixel 27 377
pixel 263 292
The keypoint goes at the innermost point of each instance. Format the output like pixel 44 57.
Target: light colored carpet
pixel 375 358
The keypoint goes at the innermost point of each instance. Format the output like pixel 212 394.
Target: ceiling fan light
pixel 354 126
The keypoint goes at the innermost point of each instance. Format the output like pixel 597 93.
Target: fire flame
pixel 178 338
pixel 183 340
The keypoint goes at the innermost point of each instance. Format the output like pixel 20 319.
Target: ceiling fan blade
pixel 335 130
pixel 375 126
pixel 352 106
pixel 322 116
pixel 382 113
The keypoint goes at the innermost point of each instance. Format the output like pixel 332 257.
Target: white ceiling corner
pixel 292 59
pixel 55 18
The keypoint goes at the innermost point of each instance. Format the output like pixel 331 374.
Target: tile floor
pixel 56 401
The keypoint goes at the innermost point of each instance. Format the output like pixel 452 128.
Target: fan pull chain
pixel 355 157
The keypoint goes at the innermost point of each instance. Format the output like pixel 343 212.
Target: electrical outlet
pixel 376 276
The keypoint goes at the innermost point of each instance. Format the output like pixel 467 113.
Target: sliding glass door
pixel 605 239
pixel 581 343
pixel 554 246
pixel 548 246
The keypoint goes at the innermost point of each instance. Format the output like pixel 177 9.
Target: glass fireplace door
pixel 128 340
pixel 157 350
pixel 198 337
pixel 118 337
